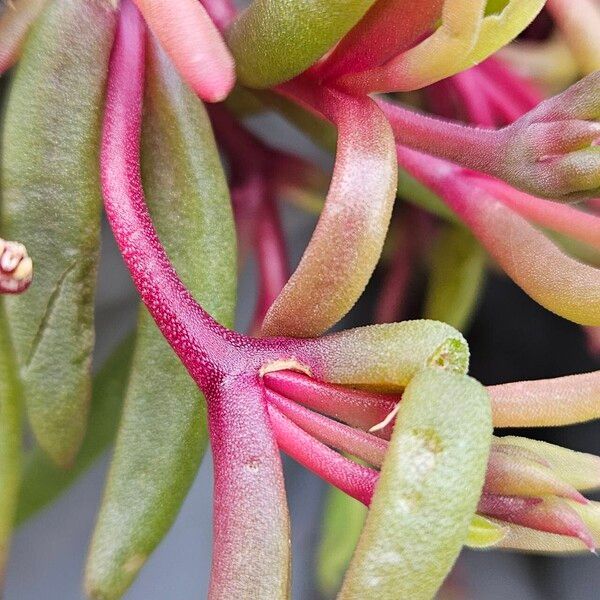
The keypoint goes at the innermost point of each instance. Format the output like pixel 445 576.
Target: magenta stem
pixel 272 261
pixel 504 77
pixel 472 147
pixel 354 407
pixel 414 234
pixel 351 478
pixel 201 343
pixel 347 439
pixel 474 98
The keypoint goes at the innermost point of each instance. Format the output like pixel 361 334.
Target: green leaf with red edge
pixel 349 237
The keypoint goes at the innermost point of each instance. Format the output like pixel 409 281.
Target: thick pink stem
pixel 201 343
pixel 251 529
pixel 351 478
pixel 347 439
pixel 472 147
pixel 388 28
pixel 354 407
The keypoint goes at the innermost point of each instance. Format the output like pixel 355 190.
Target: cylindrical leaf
pixel 49 183
pixel 162 435
pixel 343 520
pixel 10 438
pixel 275 40
pixel 428 491
pixel 457 270
pixel 43 481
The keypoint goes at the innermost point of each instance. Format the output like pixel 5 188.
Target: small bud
pixel 16 268
pixel 552 151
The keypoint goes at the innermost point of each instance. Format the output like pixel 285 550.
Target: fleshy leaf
pixel 457 271
pixel 465 37
pixel 162 435
pixel 43 481
pixel 10 438
pixel 350 234
pixel 386 357
pixel 387 29
pixel 274 40
pixel 579 469
pixel 51 203
pixel 484 533
pixel 194 44
pixel 341 525
pixel 435 58
pixel 500 28
pixel 547 402
pixel 428 491
pixel 553 279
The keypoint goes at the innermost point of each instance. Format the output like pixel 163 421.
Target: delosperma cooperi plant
pixel 429 100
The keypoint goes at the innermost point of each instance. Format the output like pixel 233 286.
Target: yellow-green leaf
pixel 430 485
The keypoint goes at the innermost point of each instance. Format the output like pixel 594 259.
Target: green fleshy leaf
pixel 457 273
pixel 275 40
pixel 386 357
pixel 427 494
pixel 343 520
pixel 43 481
pixel 10 438
pixel 162 435
pixel 483 533
pixel 49 181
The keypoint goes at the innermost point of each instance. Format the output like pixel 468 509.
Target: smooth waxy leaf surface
pixel 162 436
pixel 275 40
pixel 428 490
pixel 51 202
